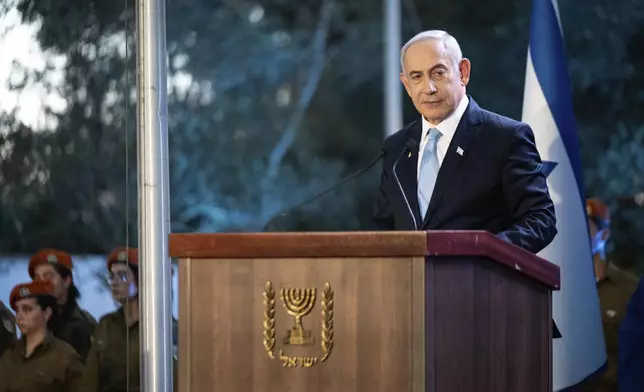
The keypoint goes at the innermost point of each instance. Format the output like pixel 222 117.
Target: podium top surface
pixel 365 244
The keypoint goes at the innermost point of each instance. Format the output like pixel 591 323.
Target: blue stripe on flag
pixel 549 61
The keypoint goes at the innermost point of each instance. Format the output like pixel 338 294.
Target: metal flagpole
pixel 154 225
pixel 392 85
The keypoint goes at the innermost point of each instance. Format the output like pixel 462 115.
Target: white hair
pixel 450 43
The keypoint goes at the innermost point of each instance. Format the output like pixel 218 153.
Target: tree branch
pixel 309 89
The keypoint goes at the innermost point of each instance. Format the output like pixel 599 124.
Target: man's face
pixel 434 83
pixel 48 273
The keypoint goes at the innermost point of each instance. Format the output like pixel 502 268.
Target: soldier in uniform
pixel 38 362
pixel 614 286
pixel 113 361
pixel 7 328
pixel 75 326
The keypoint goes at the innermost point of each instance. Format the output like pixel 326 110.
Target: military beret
pixel 124 256
pixel 30 290
pixel 50 256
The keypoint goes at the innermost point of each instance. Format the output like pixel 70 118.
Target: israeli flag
pixel 547 108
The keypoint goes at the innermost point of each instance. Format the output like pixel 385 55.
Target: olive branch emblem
pixel 326 327
pixel 269 319
pixel 327 322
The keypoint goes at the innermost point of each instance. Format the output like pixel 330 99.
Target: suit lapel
pixel 454 157
pixel 407 171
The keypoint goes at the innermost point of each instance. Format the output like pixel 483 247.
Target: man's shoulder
pixel 82 316
pixel 88 317
pixel 505 131
pixel 501 123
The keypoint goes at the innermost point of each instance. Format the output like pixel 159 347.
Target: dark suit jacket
pixel 496 184
pixel 631 344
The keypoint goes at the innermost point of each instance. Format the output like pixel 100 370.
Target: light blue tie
pixel 428 171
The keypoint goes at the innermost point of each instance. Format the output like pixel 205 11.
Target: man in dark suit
pixel 460 167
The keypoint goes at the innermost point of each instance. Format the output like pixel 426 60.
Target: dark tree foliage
pixel 273 101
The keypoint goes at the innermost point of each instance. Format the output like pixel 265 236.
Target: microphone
pixel 410 147
pixel 319 195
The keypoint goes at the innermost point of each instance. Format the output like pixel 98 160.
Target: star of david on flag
pixel 548 167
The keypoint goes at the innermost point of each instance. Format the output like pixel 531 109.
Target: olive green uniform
pixel 614 293
pixel 113 362
pixel 54 366
pixel 8 335
pixel 76 328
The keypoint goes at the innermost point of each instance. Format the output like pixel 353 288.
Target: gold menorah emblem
pixel 298 303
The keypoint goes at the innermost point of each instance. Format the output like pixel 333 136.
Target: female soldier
pixel 38 362
pixel 74 326
pixel 113 360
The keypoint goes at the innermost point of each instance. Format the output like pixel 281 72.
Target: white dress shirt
pixel 447 129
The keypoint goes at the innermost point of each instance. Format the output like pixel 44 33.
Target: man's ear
pixel 464 68
pixel 405 82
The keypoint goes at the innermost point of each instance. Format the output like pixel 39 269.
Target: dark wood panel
pixel 374 301
pixel 490 328
pixel 270 245
pixel 485 244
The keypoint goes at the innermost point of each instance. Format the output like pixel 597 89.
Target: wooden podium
pixel 445 311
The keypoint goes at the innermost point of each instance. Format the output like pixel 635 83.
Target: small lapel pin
pixel 409 154
pixel 459 151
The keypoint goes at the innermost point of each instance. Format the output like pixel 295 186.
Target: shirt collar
pixel 448 126
pixel 21 346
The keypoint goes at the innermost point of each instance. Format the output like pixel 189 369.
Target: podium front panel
pixel 302 324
